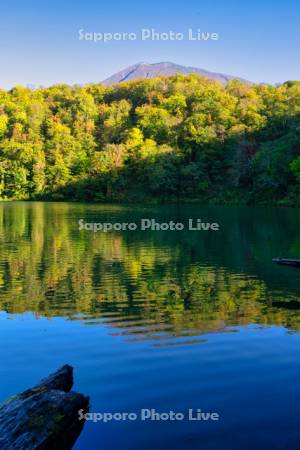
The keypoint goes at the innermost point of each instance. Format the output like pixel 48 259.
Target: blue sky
pixel 258 40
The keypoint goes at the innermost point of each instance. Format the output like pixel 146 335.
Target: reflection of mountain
pixel 167 287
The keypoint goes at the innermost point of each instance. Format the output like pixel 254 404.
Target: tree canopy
pixel 176 138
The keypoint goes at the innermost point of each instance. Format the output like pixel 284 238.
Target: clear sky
pixel 258 40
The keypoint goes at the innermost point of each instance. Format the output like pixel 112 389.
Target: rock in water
pixel 44 417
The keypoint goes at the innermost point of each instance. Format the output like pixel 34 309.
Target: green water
pixel 157 319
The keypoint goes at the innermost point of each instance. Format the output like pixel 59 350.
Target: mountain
pixel 144 70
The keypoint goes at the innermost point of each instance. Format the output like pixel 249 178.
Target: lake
pixel 162 320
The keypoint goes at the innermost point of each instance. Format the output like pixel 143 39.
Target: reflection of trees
pixel 49 267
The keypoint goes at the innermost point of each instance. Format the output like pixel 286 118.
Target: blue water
pixel 156 322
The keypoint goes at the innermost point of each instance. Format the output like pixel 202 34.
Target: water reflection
pixel 169 288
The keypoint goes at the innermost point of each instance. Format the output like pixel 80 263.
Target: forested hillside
pixel 178 138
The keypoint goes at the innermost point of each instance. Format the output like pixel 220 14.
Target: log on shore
pixel 44 417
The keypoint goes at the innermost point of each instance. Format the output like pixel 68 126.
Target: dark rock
pixel 44 417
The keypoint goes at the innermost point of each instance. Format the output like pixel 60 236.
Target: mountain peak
pixel 143 70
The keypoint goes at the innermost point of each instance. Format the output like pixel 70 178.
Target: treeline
pixel 183 137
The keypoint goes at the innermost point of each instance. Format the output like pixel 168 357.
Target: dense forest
pixel 166 139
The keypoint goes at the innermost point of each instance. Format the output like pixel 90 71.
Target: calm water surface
pixel 165 320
